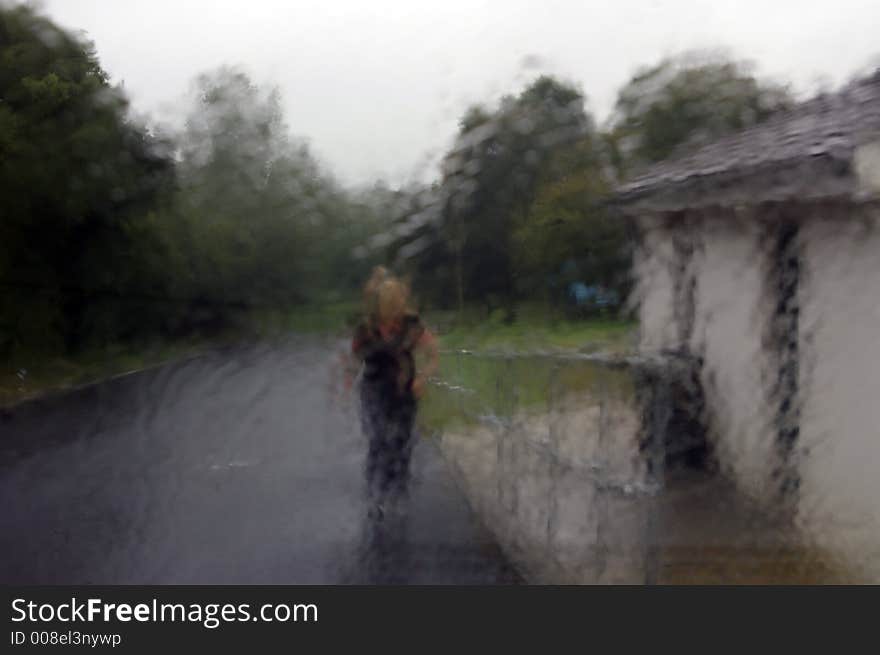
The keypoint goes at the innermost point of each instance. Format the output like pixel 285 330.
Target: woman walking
pixel 398 354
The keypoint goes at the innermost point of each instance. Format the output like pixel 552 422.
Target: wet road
pixel 234 467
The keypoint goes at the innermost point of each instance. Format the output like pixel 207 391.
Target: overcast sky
pixel 377 86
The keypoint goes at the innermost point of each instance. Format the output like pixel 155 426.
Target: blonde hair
pixel 392 300
pixel 377 277
pixel 379 274
pixel 386 297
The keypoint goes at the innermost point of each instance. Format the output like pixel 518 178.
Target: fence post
pixel 553 453
pixel 657 414
pixel 600 480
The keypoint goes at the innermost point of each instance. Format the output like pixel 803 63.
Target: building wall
pixel 727 319
pixel 840 386
pixel 837 453
pixel 730 317
pixel 654 268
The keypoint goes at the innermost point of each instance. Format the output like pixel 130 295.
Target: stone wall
pixel 583 490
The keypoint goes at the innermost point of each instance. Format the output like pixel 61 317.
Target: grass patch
pixel 37 374
pixel 533 331
pixel 336 318
pixel 473 387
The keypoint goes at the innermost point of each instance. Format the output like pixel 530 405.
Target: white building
pixel 759 255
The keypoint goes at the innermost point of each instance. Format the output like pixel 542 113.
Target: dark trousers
pixel 388 418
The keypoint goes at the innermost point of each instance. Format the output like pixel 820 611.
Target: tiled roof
pixel 827 127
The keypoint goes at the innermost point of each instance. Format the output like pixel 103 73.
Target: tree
pixel 76 176
pixel 265 227
pixel 491 178
pixel 686 100
pixel 567 235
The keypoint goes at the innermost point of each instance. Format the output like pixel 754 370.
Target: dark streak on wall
pixel 783 341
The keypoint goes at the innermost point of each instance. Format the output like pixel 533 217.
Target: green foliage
pixel 111 232
pixel 691 98
pixel 476 387
pixel 567 235
pixel 520 206
pixel 491 179
pixel 76 176
pixel 264 226
pixel 246 195
pixel 535 329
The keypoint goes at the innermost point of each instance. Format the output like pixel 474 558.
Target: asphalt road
pixel 238 467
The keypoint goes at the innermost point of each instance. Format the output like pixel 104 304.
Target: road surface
pixel 237 467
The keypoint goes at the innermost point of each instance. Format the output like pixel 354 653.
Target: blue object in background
pixel 579 292
pixel 583 295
